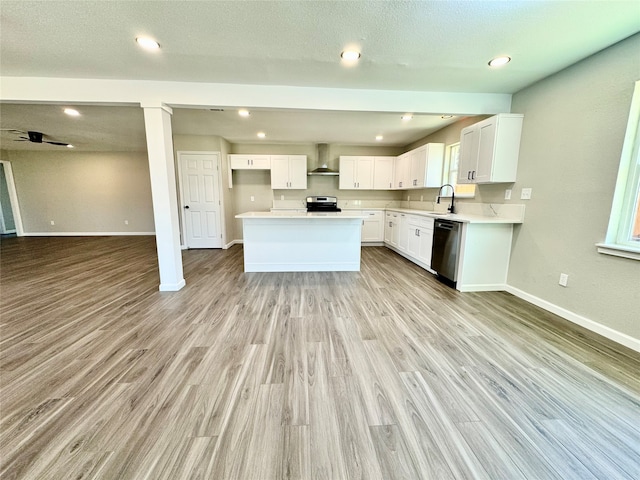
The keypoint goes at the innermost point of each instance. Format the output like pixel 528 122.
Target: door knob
pixel 187 207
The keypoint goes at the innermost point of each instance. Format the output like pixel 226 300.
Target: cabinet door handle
pixel 389 184
pixel 418 232
pixel 473 175
pixel 468 174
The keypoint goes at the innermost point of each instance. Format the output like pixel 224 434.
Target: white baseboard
pixel 172 287
pixel 85 234
pixel 232 243
pixel 610 333
pixel 483 287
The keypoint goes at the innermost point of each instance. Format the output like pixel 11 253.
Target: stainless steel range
pixel 322 204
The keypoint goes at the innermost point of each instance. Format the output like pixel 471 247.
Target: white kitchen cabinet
pixel 373 226
pixel 383 169
pixel 489 150
pixel 402 172
pixel 427 163
pixel 403 232
pixel 247 162
pixel 356 173
pixel 485 250
pixel 391 228
pixel 420 231
pixel 288 172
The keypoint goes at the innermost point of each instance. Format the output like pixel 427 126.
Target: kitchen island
pixel 301 241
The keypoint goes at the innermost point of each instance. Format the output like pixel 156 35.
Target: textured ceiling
pixel 406 45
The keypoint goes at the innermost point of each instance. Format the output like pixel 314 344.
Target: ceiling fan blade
pixel 56 143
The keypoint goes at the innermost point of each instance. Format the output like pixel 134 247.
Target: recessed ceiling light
pixel 244 113
pixel 350 55
pixel 499 61
pixel 379 137
pixel 147 43
pixel 406 117
pixel 72 112
pixel 261 134
pixel 69 146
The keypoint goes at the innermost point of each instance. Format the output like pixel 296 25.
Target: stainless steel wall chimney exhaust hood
pixel 323 161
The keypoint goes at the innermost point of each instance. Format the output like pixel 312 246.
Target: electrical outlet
pixel 126 222
pixel 526 194
pixel 52 222
pixel 281 197
pixel 253 199
pixel 564 279
pixel 421 198
pixel 408 198
pixel 507 194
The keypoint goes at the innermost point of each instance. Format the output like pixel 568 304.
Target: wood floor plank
pixel 326 462
pixel 382 373
pixel 358 451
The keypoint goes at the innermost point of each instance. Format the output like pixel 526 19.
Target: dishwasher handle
pixel 446 225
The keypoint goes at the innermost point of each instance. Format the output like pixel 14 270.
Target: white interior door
pixel 201 200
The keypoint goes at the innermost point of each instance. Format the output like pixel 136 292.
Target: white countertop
pixel 456 217
pixel 299 215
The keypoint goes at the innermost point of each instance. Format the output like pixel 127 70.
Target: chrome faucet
pixel 452 207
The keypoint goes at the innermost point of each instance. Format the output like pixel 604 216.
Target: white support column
pixel 157 120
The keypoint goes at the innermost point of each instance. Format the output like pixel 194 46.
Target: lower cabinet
pixel 373 227
pixel 420 231
pixel 391 228
pixel 485 248
pixel 403 232
pixel 411 236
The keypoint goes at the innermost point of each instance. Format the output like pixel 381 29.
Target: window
pixel 450 174
pixel 623 233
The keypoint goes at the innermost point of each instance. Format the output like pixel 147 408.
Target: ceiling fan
pixel 34 137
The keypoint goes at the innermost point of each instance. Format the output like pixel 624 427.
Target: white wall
pixel 83 192
pixel 574 125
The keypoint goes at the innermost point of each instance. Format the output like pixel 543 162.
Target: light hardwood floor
pixel 381 374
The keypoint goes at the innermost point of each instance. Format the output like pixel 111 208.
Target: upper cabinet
pixel 420 168
pixel 288 172
pixel 489 150
pixel 426 166
pixel 242 162
pixel 356 173
pixel 402 171
pixel 383 173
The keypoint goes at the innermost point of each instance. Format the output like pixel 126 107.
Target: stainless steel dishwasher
pixel 444 253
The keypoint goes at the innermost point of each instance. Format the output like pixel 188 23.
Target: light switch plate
pixel 507 194
pixel 253 199
pixel 564 279
pixel 526 194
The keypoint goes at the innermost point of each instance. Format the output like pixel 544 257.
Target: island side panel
pixel 302 244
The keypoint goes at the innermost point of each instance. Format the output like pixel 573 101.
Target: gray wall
pixel 572 138
pixel 83 192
